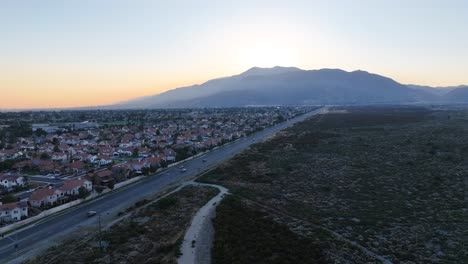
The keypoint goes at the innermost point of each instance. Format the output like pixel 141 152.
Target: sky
pixel 56 53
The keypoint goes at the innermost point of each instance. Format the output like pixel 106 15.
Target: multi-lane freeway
pixel 28 241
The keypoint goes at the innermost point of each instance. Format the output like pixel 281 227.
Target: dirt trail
pixel 198 240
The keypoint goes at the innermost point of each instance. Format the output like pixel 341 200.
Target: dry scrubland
pixel 393 180
pixel 152 234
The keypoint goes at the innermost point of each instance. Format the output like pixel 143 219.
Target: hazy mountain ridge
pixel 293 86
pixel 440 90
pixel 458 95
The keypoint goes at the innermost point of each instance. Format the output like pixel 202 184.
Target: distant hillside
pixel 459 95
pixel 434 90
pixel 287 86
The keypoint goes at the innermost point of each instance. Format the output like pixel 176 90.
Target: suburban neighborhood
pixel 51 158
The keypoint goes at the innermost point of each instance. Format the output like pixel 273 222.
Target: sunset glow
pixel 87 53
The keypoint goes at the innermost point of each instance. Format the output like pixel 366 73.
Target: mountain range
pixel 293 86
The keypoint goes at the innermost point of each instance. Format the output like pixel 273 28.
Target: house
pixel 170 155
pixel 10 180
pixel 144 152
pixel 71 187
pixel 127 138
pixel 7 153
pixel 102 160
pixel 105 150
pixel 154 161
pixel 46 166
pixel 22 165
pixel 78 167
pixel 103 177
pixel 138 165
pixel 43 197
pixel 12 212
pixel 120 172
pixel 83 157
pixel 128 151
pixel 58 156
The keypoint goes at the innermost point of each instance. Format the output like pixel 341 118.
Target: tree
pixel 40 132
pixel 56 148
pixel 135 153
pixel 280 119
pixel 99 189
pixel 7 165
pixel 9 199
pixel 26 180
pixel 44 156
pixel 145 171
pixel 94 179
pixel 111 185
pixel 82 192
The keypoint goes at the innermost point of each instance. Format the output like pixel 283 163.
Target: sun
pixel 268 54
pixel 267 51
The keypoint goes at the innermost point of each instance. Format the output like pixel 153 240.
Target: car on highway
pixel 91 213
pixel 183 169
pixel 204 160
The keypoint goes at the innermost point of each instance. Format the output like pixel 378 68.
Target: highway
pixel 45 233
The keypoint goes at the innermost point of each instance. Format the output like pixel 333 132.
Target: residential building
pixel 12 212
pixel 43 197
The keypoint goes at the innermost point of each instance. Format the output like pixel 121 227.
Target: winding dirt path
pixel 198 240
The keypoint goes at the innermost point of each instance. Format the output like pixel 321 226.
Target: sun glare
pixel 269 48
pixel 268 54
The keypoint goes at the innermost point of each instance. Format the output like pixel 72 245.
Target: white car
pixel 91 213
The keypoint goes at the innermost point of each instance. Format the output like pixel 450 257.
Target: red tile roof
pixel 41 194
pixel 8 206
pixel 69 185
pixel 77 165
pixel 106 173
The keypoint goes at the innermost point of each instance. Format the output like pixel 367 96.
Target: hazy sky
pixel 93 52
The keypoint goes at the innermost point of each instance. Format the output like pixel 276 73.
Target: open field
pixel 390 179
pixel 151 234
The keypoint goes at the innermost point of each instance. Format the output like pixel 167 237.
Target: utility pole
pixel 100 236
pixel 16 244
